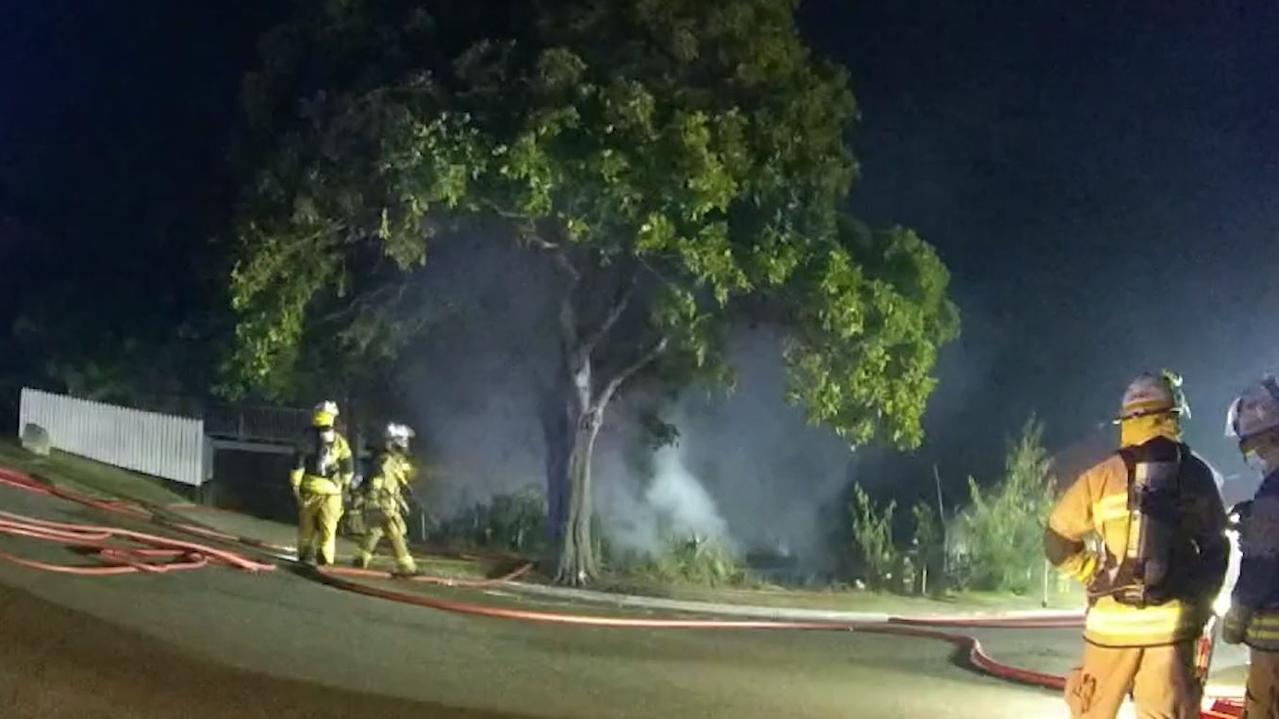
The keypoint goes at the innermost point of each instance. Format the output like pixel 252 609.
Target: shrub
pixel 1004 525
pixel 694 560
pixel 928 536
pixel 929 544
pixel 515 522
pixel 873 537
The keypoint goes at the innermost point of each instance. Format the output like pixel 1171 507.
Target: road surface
pixel 218 643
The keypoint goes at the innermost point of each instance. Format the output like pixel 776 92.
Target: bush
pixel 873 538
pixel 928 536
pixel 511 522
pixel 1004 525
pixel 694 560
pixel 930 545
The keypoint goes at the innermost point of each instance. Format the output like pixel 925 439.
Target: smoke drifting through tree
pixel 746 468
pixel 645 509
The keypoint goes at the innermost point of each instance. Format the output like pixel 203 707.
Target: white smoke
pixel 643 513
pixel 747 470
pixel 474 382
pixel 778 480
pixel 677 496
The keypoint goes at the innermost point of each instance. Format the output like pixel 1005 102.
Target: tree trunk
pixel 577 563
pixel 571 422
pixel 557 438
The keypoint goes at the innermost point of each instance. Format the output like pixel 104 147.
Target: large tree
pixel 682 163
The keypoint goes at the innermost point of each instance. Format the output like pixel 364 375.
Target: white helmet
pixel 1154 394
pixel 1254 412
pixel 324 414
pixel 399 435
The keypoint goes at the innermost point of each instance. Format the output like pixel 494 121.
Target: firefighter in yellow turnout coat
pixel 384 502
pixel 322 470
pixel 1155 507
pixel 1254 607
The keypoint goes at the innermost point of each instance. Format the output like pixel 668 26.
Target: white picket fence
pixel 149 442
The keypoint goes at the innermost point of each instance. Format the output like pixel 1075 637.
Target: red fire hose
pixel 970 645
pixel 511 576
pixel 187 555
pixel 106 543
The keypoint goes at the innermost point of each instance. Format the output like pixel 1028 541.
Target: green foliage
pixel 929 538
pixel 693 560
pixel 930 544
pixel 510 522
pixel 928 535
pixel 655 433
pixel 1003 526
pixel 871 327
pixel 873 537
pixel 697 148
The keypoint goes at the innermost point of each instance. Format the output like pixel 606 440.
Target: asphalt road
pixel 217 643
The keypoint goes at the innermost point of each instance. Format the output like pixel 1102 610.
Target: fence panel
pixel 273 425
pixel 161 445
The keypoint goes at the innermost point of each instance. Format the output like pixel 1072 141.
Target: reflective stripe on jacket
pixel 1097 504
pixel 1257 588
pixel 1112 624
pixel 1263 631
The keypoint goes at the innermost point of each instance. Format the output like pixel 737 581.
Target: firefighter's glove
pixel 1235 625
pixel 1087 569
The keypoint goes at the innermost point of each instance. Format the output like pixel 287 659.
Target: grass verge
pixel 91 477
pixel 112 482
pixel 850 600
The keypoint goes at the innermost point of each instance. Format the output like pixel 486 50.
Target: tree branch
pixel 541 243
pixel 561 259
pixel 577 363
pixel 504 213
pixel 629 371
pixel 369 300
pixel 530 234
pixel 568 324
pixel 614 314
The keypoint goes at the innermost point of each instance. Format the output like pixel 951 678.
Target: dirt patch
pixel 60 663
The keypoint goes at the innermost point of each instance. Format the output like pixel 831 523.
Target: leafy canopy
pixel 696 147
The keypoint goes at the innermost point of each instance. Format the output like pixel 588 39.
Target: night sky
pixel 1100 177
pixel 1102 180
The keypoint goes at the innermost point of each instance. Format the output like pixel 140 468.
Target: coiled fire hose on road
pixel 119 551
pixel 116 559
pixel 182 555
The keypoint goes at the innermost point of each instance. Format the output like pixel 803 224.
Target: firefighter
pixel 1254 608
pixel 322 470
pixel 384 500
pixel 1155 513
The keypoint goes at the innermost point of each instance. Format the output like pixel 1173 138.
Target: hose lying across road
pixel 104 544
pixel 127 560
pixel 970 646
pixel 118 551
pixel 116 559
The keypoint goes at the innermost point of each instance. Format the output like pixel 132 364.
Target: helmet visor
pixel 1232 419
